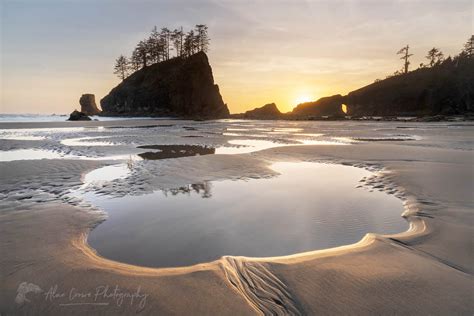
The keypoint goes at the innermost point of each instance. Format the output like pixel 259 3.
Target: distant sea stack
pixel 179 87
pixel 88 106
pixel 327 106
pixel 267 112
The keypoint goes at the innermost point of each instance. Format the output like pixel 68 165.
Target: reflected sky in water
pixel 107 173
pixel 308 206
pixel 29 154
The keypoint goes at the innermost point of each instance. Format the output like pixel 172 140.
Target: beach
pixel 426 270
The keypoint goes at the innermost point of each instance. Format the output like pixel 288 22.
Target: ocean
pixel 58 118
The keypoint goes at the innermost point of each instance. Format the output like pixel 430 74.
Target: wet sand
pixel 426 270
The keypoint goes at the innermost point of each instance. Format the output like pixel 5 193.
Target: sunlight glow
pixel 303 99
pixel 344 108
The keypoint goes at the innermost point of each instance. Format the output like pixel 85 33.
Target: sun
pixel 303 99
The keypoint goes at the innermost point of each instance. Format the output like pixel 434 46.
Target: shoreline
pixel 153 120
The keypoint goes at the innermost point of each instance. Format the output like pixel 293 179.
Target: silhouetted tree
pixel 405 56
pixel 190 45
pixel 140 55
pixel 158 45
pixel 469 47
pixel 435 56
pixel 135 62
pixel 121 67
pixel 202 38
pixel 155 46
pixel 165 36
pixel 178 37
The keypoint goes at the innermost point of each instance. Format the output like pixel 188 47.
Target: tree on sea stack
pixel 158 46
pixel 404 51
pixel 165 37
pixel 190 44
pixel 435 56
pixel 121 67
pixel 202 38
pixel 155 46
pixel 469 47
pixel 177 36
pixel 141 55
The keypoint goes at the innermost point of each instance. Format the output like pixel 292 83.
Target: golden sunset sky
pixel 261 51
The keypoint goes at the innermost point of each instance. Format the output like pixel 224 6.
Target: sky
pixel 285 52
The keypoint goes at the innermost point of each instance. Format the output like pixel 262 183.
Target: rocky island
pixel 179 87
pixel 157 84
pixel 267 112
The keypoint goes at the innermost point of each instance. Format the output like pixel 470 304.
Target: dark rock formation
pixel 78 116
pixel 444 89
pixel 328 106
pixel 266 112
pixel 179 87
pixel 88 106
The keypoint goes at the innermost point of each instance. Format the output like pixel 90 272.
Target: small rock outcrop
pixel 88 106
pixel 78 116
pixel 328 106
pixel 266 112
pixel 179 87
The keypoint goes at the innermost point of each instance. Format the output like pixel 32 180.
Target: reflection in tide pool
pixel 19 137
pixel 28 154
pixel 243 146
pixel 308 206
pixel 107 173
pixel 86 141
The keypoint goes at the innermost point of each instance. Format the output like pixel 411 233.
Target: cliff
pixel 446 89
pixel 179 87
pixel 327 106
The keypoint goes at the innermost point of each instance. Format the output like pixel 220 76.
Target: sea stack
pixel 88 106
pixel 179 87
pixel 267 112
pixel 327 106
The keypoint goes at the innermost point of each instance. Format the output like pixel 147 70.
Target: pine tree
pixel 405 57
pixel 435 56
pixel 121 67
pixel 177 37
pixel 165 36
pixel 189 44
pixel 202 38
pixel 155 47
pixel 469 47
pixel 140 55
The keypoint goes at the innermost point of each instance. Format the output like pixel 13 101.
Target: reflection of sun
pixel 303 99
